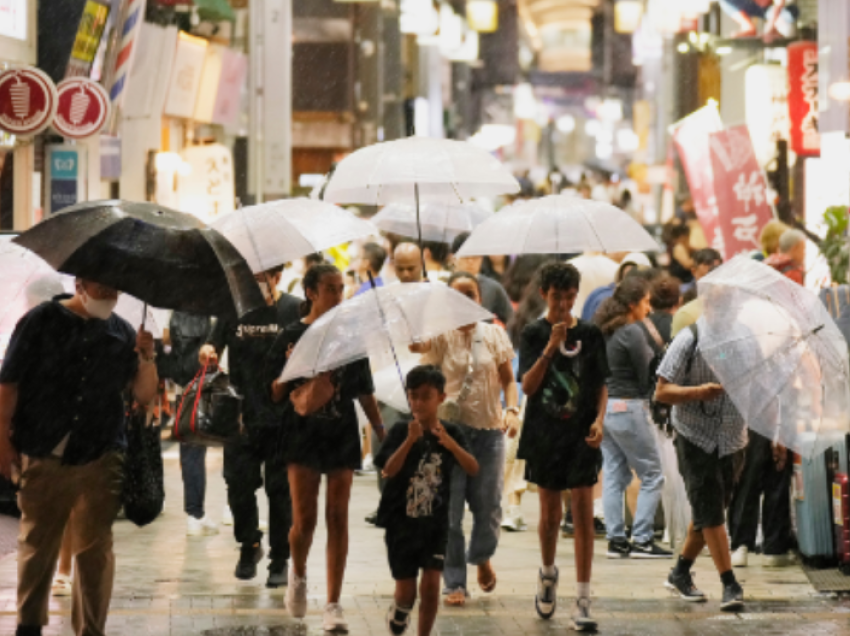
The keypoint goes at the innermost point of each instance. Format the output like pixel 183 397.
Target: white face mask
pixel 98 308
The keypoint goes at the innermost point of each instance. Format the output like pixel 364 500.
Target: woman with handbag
pixel 629 442
pixel 476 361
pixel 322 437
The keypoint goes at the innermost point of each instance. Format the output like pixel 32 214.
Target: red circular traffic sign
pixel 83 107
pixel 27 101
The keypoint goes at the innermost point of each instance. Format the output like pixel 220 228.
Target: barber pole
pixel 133 17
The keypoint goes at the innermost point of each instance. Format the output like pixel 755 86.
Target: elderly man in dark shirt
pixel 62 403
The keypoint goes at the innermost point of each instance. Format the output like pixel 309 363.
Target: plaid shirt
pixel 715 425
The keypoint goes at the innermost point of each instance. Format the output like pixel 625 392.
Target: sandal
pixel 62 585
pixel 456 598
pixel 486 577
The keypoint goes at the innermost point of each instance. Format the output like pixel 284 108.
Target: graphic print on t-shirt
pixel 561 391
pixel 422 494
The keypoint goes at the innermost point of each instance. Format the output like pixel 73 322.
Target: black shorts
pixel 709 480
pixel 572 466
pixel 415 547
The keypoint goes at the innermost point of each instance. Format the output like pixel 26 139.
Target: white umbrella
pixel 558 224
pixel 377 322
pixel 439 221
pixel 272 234
pixel 437 170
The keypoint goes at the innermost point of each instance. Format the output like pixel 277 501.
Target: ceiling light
pixel 627 15
pixel 482 15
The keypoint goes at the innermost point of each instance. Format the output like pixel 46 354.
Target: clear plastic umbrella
pixel 272 234
pixel 558 224
pixel 376 323
pixel 777 352
pixel 439 221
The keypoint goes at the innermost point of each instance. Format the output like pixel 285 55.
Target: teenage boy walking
pixel 417 459
pixel 563 367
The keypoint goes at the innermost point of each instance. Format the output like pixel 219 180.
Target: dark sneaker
pixel 278 575
pixel 649 550
pixel 372 518
pixel 733 598
pixel 581 617
pixel 398 619
pixel 547 594
pixel 683 585
pixel 249 556
pixel 599 527
pixel 619 549
pixel 28 630
pixel 567 529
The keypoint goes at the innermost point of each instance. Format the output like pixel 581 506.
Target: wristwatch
pixel 512 409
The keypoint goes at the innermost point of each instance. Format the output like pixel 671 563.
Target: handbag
pixel 450 409
pixel 209 412
pixel 143 488
pixel 312 396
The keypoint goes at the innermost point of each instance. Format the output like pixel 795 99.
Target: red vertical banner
pixel 740 188
pixel 803 97
pixel 691 136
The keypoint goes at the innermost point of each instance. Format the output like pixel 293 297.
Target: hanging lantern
pixel 627 15
pixel 482 15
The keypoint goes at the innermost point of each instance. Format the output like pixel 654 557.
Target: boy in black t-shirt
pixel 563 366
pixel 417 459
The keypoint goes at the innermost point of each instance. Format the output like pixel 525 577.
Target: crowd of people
pixel 559 394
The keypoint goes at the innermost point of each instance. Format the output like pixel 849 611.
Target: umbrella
pixel 439 221
pixel 778 354
pixel 275 233
pixel 162 257
pixel 376 322
pixel 558 224
pixel 385 379
pixel 407 170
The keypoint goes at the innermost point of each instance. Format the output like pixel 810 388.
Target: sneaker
pixel 733 598
pixel 249 556
pixel 619 549
pixel 739 557
pixel 683 585
pixel 278 575
pixel 513 521
pixel 581 617
pixel 227 516
pixel 649 550
pixel 398 619
pixel 296 595
pixel 372 518
pixel 599 527
pixel 547 594
pixel 263 525
pixel 334 619
pixel 204 527
pixel 62 585
pixel 777 560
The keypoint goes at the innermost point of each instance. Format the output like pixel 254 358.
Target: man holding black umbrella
pixel 255 458
pixel 62 408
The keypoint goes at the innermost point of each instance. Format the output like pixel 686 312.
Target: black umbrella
pixel 166 258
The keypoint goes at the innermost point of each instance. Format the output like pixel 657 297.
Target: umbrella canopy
pixel 558 224
pixel 778 354
pixel 377 321
pixel 440 221
pixel 271 234
pixel 443 170
pixel 162 257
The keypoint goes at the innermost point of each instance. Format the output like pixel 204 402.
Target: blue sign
pixel 64 165
pixel 64 173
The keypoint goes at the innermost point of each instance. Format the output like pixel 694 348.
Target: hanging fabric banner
pixel 803 97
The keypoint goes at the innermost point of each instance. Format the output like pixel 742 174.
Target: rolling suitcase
pixel 813 508
pixel 840 483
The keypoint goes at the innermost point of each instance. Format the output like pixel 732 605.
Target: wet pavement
pixel 167 583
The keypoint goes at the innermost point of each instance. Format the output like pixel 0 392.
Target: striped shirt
pixel 715 425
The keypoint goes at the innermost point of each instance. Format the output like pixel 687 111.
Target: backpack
pixel 662 414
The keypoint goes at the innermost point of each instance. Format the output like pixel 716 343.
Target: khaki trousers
pixel 50 493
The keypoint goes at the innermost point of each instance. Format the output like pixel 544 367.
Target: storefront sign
pixel 13 19
pixel 766 88
pixel 740 189
pixel 803 97
pixel 691 137
pixel 185 76
pixel 208 190
pixel 234 71
pixel 27 101
pixel 83 108
pixel 87 41
pixel 64 174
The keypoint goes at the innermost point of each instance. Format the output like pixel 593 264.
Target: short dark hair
pixel 312 279
pixel 706 256
pixel 559 275
pixel 376 255
pixel 460 239
pixel 439 251
pixel 464 275
pixel 274 271
pixel 665 293
pixel 425 374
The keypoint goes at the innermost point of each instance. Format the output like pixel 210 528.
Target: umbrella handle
pixel 419 231
pixel 144 316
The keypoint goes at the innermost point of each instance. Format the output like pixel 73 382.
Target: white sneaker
pixel 264 525
pixel 777 560
pixel 547 594
pixel 205 527
pixel 296 595
pixel 334 619
pixel 226 516
pixel 581 617
pixel 513 521
pixel 62 585
pixel 739 557
pixel 368 464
